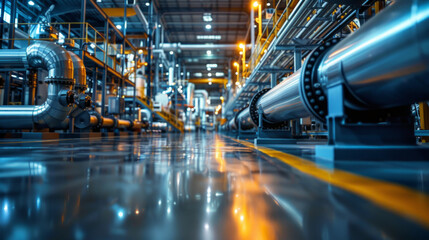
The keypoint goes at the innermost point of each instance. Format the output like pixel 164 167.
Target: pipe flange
pixel 115 121
pixel 253 108
pixel 311 89
pixel 63 81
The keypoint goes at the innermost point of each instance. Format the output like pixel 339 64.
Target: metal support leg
pixel 273 79
pixel 297 58
pixel 94 83
pixel 260 123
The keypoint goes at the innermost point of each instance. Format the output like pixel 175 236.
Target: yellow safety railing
pixel 270 32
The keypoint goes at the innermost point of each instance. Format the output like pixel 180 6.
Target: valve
pixel 83 101
pixel 66 97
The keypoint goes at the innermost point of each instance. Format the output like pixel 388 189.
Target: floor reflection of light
pixel 206 227
pixel 159 203
pixel 168 210
pixel 38 202
pixel 120 214
pixel 5 207
pixel 137 212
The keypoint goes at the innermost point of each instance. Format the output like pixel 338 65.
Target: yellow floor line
pixel 396 198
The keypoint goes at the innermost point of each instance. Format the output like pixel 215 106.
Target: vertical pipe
pixel 135 87
pixel 252 29
pixel 260 20
pixel 11 44
pixel 82 26
pixel 103 86
pixel 3 4
pixel 12 24
pixel 156 78
pixel 149 52
pixel 124 66
pixel 94 83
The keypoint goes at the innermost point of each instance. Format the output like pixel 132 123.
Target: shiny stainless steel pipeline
pixel 244 120
pixel 13 58
pixel 57 61
pixel 386 62
pixel 284 101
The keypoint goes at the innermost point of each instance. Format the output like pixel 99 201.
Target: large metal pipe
pixel 384 64
pixel 79 73
pixel 83 100
pixel 57 61
pixel 284 101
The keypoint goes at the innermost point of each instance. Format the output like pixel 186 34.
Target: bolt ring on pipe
pixel 311 90
pixel 238 114
pixel 253 108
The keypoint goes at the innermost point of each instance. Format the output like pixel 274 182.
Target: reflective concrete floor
pixel 192 186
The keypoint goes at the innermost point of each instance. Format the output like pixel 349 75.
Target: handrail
pixel 92 38
pixel 263 43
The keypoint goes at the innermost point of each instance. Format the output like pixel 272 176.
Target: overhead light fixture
pixel 198 74
pixel 268 4
pixel 209 74
pixel 160 65
pixel 255 4
pixel 207 17
pixel 209 69
pixel 241 53
pixel 210 83
pixel 177 65
pixel 147 4
pixel 219 74
pixel 140 51
pixel 208 26
pixel 118 26
pixel 211 65
pixel 209 52
pixel 241 45
pixel 171 52
pixel 31 3
pixel 209 37
pixel 92 45
pixel 236 64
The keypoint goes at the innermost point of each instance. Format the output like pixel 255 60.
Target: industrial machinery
pixel 360 87
pixel 67 104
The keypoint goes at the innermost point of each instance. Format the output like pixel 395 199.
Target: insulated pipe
pixel 57 61
pixel 83 100
pixel 384 64
pixel 79 73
